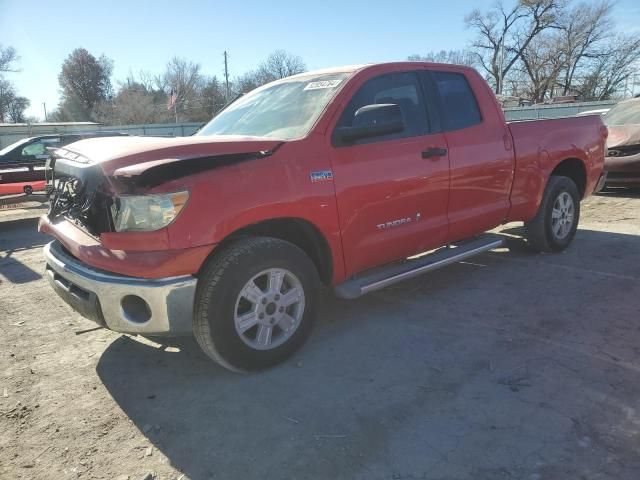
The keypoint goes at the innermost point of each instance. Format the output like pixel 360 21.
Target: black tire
pixel 539 231
pixel 219 286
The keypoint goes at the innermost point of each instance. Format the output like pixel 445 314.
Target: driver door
pixel 392 191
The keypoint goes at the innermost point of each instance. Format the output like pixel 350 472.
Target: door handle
pixel 434 152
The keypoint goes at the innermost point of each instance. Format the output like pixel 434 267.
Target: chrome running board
pixel 384 276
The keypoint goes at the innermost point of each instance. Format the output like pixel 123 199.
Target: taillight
pixel 604 131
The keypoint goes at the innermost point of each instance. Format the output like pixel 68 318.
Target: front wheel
pixel 255 303
pixel 555 224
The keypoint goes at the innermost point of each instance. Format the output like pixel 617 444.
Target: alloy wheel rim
pixel 562 216
pixel 269 309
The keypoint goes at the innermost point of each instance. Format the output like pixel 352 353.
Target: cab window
pixel 460 107
pixel 402 89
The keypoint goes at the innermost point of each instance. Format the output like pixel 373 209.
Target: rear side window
pixel 36 148
pixel 459 103
pixel 404 90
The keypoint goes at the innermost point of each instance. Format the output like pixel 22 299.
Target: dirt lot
pixel 510 366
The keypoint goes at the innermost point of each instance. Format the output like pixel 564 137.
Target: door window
pixel 459 104
pixel 39 149
pixel 402 89
pixel 33 149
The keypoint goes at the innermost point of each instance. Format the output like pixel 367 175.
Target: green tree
pixel 85 82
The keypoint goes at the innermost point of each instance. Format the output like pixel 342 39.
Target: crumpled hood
pixel 621 135
pixel 129 156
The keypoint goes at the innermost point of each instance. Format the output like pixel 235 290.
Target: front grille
pixel 623 151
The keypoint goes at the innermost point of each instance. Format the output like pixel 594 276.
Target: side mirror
pixel 373 121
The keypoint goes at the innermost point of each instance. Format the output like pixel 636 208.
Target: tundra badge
pixel 398 222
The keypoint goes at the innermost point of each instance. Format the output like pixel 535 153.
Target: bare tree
pixel 12 106
pixel 280 64
pixel 457 57
pixel 134 104
pixel 212 99
pixel 182 79
pixel 7 96
pixel 503 34
pixel 541 63
pixel 246 82
pixel 616 64
pixel 583 29
pixel 581 56
pixel 17 108
pixel 8 56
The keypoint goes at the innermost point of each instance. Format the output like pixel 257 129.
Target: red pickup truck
pixel 337 177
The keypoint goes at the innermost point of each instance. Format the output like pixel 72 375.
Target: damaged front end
pixel 78 191
pixel 121 199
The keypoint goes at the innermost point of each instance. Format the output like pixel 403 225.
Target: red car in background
pixel 622 162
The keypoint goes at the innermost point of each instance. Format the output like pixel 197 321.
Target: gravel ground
pixel 509 366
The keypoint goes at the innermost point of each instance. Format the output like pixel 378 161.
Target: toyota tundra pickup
pixel 355 178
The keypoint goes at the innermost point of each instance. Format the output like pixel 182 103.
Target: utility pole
pixel 226 75
pixel 500 79
pixel 44 105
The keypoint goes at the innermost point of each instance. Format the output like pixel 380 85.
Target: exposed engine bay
pixel 76 190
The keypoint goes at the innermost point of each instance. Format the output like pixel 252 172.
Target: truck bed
pixel 541 144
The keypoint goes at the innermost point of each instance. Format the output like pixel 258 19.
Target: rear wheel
pixel 555 224
pixel 255 303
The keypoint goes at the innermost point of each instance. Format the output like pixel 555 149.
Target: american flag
pixel 171 101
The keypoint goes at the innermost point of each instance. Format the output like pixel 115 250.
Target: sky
pixel 143 35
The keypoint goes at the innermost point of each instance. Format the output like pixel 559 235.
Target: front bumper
pixel 162 306
pixel 623 171
pixel 601 182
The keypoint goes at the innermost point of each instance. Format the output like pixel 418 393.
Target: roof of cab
pixel 357 67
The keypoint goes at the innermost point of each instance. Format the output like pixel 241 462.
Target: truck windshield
pixel 284 110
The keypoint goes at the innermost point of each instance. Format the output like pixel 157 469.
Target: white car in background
pixel 600 111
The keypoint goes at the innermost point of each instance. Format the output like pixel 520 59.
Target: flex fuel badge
pixel 321 176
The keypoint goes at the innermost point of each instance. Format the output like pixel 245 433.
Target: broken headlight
pixel 145 213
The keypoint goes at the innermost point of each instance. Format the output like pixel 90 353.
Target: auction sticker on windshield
pixel 322 84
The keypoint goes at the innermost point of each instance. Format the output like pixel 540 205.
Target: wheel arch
pixel 302 233
pixel 576 170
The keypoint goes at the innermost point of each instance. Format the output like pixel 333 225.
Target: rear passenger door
pixel 33 158
pixel 480 154
pixel 24 164
pixel 391 190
